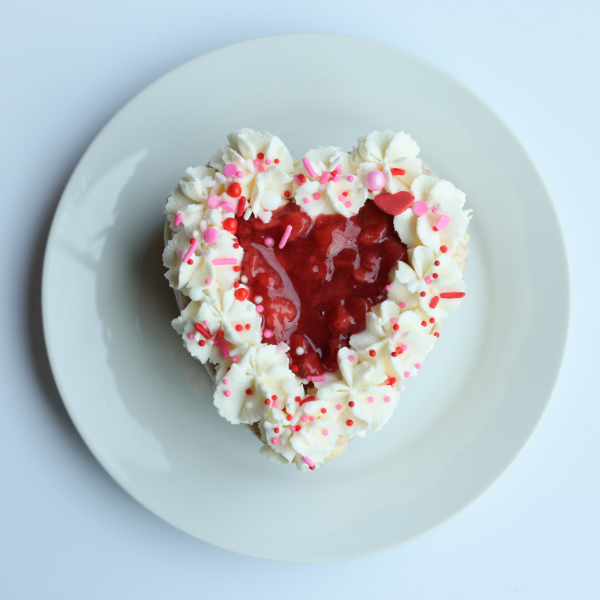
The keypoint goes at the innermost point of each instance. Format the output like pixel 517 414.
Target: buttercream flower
pixel 328 184
pixel 360 398
pixel 304 432
pixel 437 219
pixel 394 340
pixel 394 154
pixel 433 285
pixel 245 394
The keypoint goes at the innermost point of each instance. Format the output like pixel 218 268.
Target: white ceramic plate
pixel 143 405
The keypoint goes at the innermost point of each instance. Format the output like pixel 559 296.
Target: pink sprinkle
pixel 406 374
pixel 427 280
pixel 239 174
pixel 261 168
pixel 274 441
pixel 341 198
pixel 267 161
pixel 230 170
pixel 418 366
pixel 267 333
pixel 324 178
pixel 213 201
pixel 403 347
pixel 285 236
pixel 420 208
pixel 190 336
pixel 386 398
pixel 178 219
pixel 256 162
pixel 259 308
pixel 224 261
pixel 394 320
pixel 336 178
pixel 350 178
pixel 388 287
pixel 224 350
pixel 311 418
pixel 211 235
pixel 309 462
pixel 317 378
pixel 443 222
pixel 276 403
pixel 227 206
pixel 206 323
pixel 305 200
pixel 434 211
pixel 325 432
pixel 371 399
pixel 402 305
pixel 234 359
pixel 189 253
pixel 317 196
pixel 308 167
pixel 304 418
pixel 338 169
pixel 348 204
pixel 269 242
pixel 351 358
pixel 208 281
pixel 227 393
pixel 338 407
pixel 225 381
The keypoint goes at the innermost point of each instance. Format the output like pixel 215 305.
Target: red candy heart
pixel 394 204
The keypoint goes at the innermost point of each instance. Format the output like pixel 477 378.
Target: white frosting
pixel 254 383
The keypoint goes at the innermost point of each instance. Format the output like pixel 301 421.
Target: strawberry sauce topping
pixel 315 292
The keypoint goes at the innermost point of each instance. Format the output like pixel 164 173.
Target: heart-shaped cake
pixel 313 289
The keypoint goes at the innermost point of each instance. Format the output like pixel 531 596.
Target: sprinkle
pixel 435 275
pixel 307 460
pixel 241 206
pixel 178 219
pixel 424 323
pixel 335 178
pixel 434 302
pixel 287 194
pixel 276 161
pixel 432 320
pixel 238 327
pixel 267 333
pixel 402 305
pixel 256 162
pixel 436 334
pixel 299 350
pixel 386 398
pixel 248 391
pixel 311 418
pixel 244 279
pixel 258 299
pixel 388 287
pixel 213 201
pixel 230 170
pixel 308 167
pixel 317 378
pixel 341 197
pixel 239 174
pixel 443 249
pixel 453 295
pixel 202 330
pixel 351 358
pixel 190 336
pixel 443 222
pixel 268 401
pixel 202 343
pixel 227 206
pixel 208 281
pixel 418 366
pixel 234 359
pixel 285 236
pixel 338 407
pixel 275 403
pixel 396 172
pixel 423 294
pixel 350 178
pixel 372 353
pixel 226 381
pixel 348 204
pixel 323 411
pixel 349 422
pixel 406 374
pixel 267 162
pixel 276 430
pixel 325 432
pixel 224 349
pixel 241 294
pixel 269 242
pixel 437 263
pixel 260 155
pixel 289 417
pixel 211 235
pixel 274 441
pixel 420 208
pixel 324 178
pixel 317 196
pixel 427 280
pixel 404 347
pixel 190 252
pixel 224 261
pixel 227 393
pixel 305 200
pixel 351 403
pixel 259 308
pixel 371 399
pixel 434 211
pixel 261 168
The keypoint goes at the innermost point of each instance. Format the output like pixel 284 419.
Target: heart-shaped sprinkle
pixel 394 204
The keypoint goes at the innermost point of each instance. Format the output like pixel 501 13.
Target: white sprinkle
pixel 299 350
pixel 258 299
pixel 244 279
pixel 195 233
pixel 203 225
pixel 197 336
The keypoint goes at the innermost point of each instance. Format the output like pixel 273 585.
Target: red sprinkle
pixel 434 302
pixel 394 354
pixel 349 422
pixel 323 410
pixel 372 353
pixel 432 320
pixel 238 328
pixel 248 326
pixel 190 262
pixel 424 323
pixel 453 295
pixel 201 343
pixel 260 156
pixel 248 391
pixel 234 189
pixel 301 178
pixel 241 206
pixel 437 263
pixel 398 172
pixel 435 275
pixel 267 401
pixel 298 399
pixel 192 240
pixel 202 330
pixel 276 430
pixel 436 334
pixel 237 268
pixel 351 404
pixel 230 224
pixel 276 161
pixel 286 194
pixel 274 397
pixel 295 368
pixel 422 294
pixel 241 294
pixel 443 249
pixel 308 399
pixel 392 380
pixel 236 284
pixel 396 327
pixel 289 417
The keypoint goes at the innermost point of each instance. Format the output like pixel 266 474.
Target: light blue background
pixel 67 531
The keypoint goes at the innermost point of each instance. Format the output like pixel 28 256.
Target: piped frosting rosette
pixel 310 421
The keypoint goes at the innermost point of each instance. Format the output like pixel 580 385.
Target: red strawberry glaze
pixel 317 289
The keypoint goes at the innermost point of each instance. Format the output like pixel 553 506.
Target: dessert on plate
pixel 313 289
